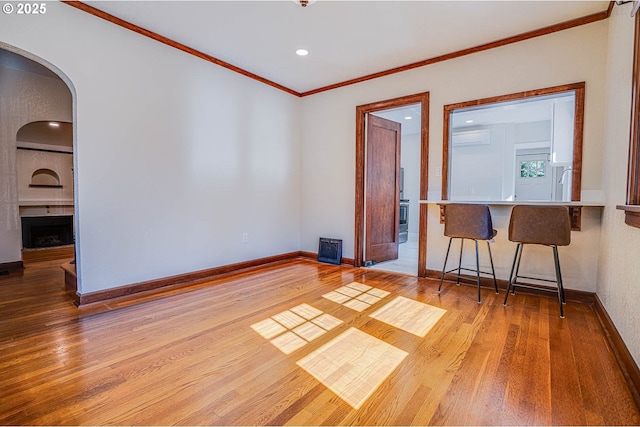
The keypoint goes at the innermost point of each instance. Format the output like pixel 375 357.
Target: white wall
pixel 475 173
pixel 328 152
pixel 619 269
pixel 24 97
pixel 176 158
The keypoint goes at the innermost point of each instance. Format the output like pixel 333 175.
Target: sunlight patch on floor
pixel 411 316
pixel 356 296
pixel 353 365
pixel 293 329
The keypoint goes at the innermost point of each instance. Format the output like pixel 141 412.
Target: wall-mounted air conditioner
pixel 470 137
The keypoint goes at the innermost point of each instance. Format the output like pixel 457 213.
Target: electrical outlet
pixel 245 237
pixel 438 170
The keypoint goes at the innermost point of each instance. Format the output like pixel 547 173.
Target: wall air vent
pixel 330 251
pixel 470 137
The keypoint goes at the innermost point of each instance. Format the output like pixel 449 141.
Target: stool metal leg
pixel 513 269
pixel 493 271
pixel 561 284
pixel 478 271
pixel 559 280
pixel 515 277
pixel 460 261
pixel 444 267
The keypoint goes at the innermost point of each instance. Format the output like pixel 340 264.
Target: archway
pixel 33 90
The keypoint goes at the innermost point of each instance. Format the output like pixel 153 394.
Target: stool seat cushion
pixel 543 225
pixel 468 221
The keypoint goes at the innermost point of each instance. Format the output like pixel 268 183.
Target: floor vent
pixel 330 251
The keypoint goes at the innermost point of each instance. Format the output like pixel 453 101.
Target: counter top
pixel 577 204
pixel 575 208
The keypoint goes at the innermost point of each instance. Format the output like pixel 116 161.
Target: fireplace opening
pixel 47 231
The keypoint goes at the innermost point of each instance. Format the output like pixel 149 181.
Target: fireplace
pixel 47 231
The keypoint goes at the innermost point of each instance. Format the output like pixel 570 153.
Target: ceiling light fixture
pixel 407 118
pixel 302 52
pixel 54 124
pixel 304 3
pixel 469 121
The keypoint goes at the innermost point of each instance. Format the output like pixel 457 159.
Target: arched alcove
pixel 45 178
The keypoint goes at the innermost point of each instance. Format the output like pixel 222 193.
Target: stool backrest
pixel 468 221
pixel 544 225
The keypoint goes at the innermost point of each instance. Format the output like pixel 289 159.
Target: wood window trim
pixel 632 206
pixel 578 131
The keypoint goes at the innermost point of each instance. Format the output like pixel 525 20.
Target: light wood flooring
pixel 209 354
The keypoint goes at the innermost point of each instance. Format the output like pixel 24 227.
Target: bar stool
pixel 539 225
pixel 468 221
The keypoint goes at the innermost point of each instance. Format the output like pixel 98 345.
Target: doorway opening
pixel 391 179
pixel 39 142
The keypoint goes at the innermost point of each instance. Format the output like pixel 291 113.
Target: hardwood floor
pixel 203 354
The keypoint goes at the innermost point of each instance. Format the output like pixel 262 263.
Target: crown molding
pixel 165 40
pixel 457 54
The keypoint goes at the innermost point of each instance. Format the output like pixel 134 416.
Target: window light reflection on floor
pixel 294 328
pixel 353 365
pixel 356 296
pixel 411 316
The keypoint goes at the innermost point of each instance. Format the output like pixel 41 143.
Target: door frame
pixel 361 112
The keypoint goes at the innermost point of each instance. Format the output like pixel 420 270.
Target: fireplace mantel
pixel 32 203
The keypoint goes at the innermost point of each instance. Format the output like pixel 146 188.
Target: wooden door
pixel 382 189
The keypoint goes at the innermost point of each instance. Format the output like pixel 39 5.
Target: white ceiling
pixel 346 39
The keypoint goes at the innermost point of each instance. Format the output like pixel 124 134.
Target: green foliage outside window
pixel 532 169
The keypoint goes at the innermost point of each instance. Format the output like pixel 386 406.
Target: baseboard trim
pixel 180 279
pixel 183 279
pixel 487 282
pixel 625 360
pixel 314 256
pixel 9 267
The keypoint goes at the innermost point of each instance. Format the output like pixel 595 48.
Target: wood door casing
pixel 359 218
pixel 382 189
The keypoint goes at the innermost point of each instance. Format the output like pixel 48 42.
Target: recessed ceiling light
pixel 469 121
pixel 302 52
pixel 304 3
pixel 407 118
pixel 54 124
